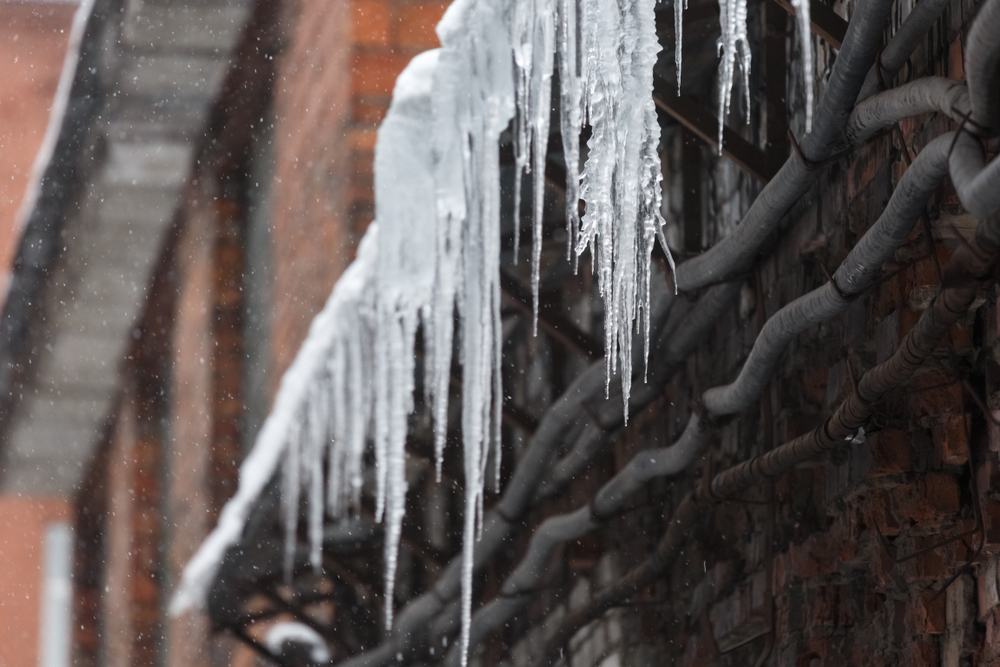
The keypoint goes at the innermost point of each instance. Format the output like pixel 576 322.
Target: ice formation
pixel 404 283
pixel 621 180
pixel 679 7
pixel 802 16
pixel 733 45
pixel 433 259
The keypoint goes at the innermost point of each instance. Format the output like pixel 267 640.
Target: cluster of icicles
pixel 734 50
pixel 434 253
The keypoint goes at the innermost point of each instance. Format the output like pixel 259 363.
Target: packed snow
pixel 297 633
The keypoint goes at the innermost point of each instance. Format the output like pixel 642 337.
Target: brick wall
pixel 189 500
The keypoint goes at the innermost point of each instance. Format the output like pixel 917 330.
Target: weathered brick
pixel 987 589
pixel 417 22
pixel 950 440
pixel 926 613
pixel 920 653
pixel 890 450
pixel 927 501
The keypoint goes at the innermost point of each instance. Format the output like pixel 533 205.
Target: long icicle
pixel 734 45
pixel 679 7
pixel 804 21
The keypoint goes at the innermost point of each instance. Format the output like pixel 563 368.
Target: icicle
pixel 474 93
pixel 290 498
pixel 679 7
pixel 437 247
pixel 314 465
pixel 406 206
pixel 802 17
pixel 534 35
pixel 622 175
pixel 733 44
pixel 570 113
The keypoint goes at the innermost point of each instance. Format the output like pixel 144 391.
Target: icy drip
pixel 802 17
pixel 296 633
pixel 533 44
pixel 474 90
pixel 622 175
pixel 733 44
pixel 437 247
pixel 679 7
pixel 571 111
pixel 406 205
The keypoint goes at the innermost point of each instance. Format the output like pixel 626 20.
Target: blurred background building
pixel 167 260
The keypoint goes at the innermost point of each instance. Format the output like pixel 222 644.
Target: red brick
pixel 920 653
pixel 882 566
pixel 878 513
pixel 891 453
pixel 374 72
pixel 417 23
pixel 950 440
pixel 811 558
pixel 371 22
pixel 928 501
pixel 991 522
pixel 368 112
pixel 926 613
pixel 814 384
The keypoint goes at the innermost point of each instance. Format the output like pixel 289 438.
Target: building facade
pixel 211 181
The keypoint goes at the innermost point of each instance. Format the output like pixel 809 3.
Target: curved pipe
pixel 914 28
pixel 414 626
pixel 411 630
pixel 983 67
pixel 855 274
pixel 789 184
pixel 518 589
pixel 977 184
pixel 968 264
pixel 813 308
pixel 927 95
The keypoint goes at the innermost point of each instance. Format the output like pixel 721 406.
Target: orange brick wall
pixel 387 34
pixel 189 506
pixel 22 543
pixel 115 606
pixel 311 99
pixel 332 87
